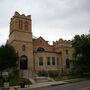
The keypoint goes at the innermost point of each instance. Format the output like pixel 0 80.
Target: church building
pixel 35 54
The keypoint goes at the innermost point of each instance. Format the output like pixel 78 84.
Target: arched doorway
pixel 23 62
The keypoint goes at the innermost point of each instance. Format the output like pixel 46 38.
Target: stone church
pixel 36 55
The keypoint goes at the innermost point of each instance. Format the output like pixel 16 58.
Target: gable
pixel 40 42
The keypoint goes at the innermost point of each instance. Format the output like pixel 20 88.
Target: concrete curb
pixel 38 86
pixel 59 84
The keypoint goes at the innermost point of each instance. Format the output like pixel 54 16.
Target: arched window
pixel 20 24
pixel 40 49
pixel 67 63
pixel 26 26
pixel 66 51
pixel 23 47
pixel 23 62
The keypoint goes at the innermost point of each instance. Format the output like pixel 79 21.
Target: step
pixel 42 79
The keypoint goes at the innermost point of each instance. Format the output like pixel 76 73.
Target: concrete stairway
pixel 41 80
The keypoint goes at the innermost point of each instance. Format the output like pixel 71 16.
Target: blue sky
pixel 51 19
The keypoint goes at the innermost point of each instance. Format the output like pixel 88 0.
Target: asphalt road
pixel 84 85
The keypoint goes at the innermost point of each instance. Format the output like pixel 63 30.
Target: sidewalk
pixel 45 84
pixel 37 85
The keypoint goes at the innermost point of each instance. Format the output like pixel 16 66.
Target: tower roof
pixel 17 14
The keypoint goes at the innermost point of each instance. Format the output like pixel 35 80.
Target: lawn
pixel 68 77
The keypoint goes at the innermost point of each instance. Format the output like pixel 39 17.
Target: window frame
pixel 23 47
pixel 41 61
pixel 26 26
pixel 40 49
pixel 67 63
pixel 20 24
pixel 53 61
pixel 48 61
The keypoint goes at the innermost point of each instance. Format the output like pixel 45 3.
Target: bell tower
pixel 20 38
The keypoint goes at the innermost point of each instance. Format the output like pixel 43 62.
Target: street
pixel 84 85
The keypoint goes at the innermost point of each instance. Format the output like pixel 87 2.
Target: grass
pixel 76 80
pixel 68 77
pixel 60 78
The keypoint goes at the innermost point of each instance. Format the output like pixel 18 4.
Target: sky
pixel 51 19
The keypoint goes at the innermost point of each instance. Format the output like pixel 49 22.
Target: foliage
pixel 53 74
pixel 8 57
pixel 43 73
pixel 48 74
pixel 82 53
pixel 17 80
pixel 1 82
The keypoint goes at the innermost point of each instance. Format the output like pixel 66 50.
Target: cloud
pixel 50 18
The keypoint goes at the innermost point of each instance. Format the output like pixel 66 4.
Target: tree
pixel 8 57
pixel 81 43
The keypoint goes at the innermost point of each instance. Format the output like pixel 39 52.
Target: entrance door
pixel 23 62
